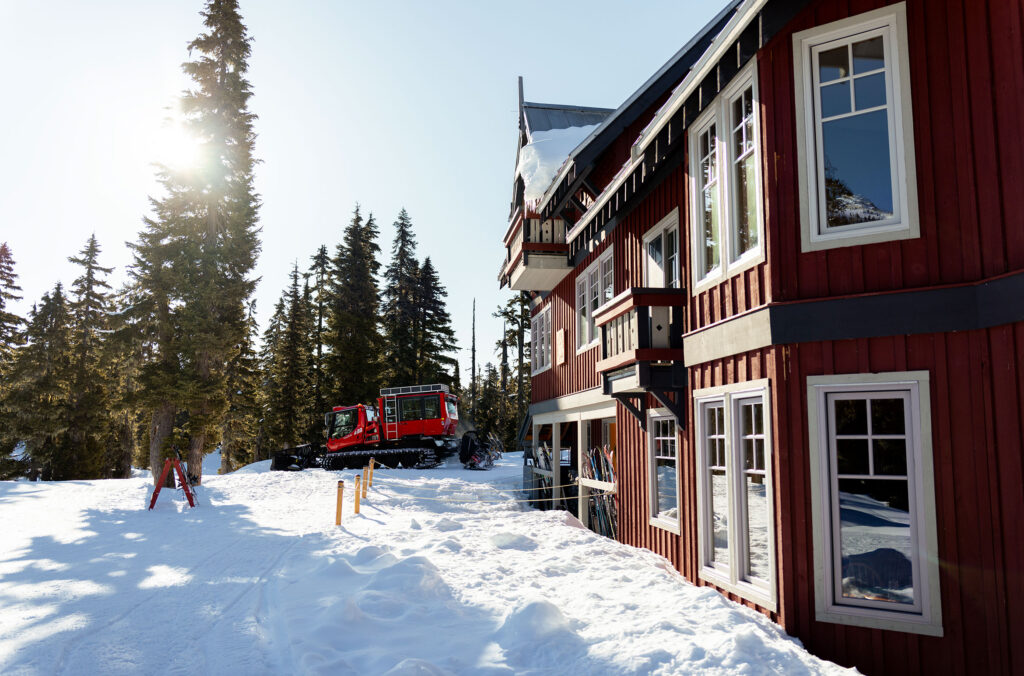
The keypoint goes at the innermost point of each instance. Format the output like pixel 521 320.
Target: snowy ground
pixel 259 580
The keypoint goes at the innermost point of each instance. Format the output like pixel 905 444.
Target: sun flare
pixel 176 147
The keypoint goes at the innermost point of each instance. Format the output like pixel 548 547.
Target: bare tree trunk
pixel 195 456
pixel 159 429
pixel 225 454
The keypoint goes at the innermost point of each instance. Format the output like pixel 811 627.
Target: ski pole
pixel 341 494
pixel 357 493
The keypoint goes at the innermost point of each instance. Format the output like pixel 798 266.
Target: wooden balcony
pixel 642 348
pixel 536 255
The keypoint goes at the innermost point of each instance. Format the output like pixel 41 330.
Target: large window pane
pixel 756 495
pixel 720 517
pixel 710 207
pixel 746 204
pixel 876 543
pixel 858 178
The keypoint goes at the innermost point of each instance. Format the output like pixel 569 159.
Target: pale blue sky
pixel 388 104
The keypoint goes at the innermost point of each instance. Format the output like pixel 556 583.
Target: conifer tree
pixel 354 359
pixel 320 271
pixel 515 314
pixel 241 422
pixel 288 405
pixel 88 422
pixel 195 256
pixel 400 319
pixel 11 339
pixel 37 402
pixel 124 354
pixel 436 339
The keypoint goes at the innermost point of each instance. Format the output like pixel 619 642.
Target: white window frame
pixel 734 577
pixel 719 113
pixel 540 341
pixel 589 287
pixel 665 523
pixel 891 22
pixel 666 225
pixel 927 619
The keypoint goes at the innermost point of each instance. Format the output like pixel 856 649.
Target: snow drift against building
pixel 544 155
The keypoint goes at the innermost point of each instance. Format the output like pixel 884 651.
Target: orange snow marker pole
pixel 341 496
pixel 365 482
pixel 371 472
pixel 357 493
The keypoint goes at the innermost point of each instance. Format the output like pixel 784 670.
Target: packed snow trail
pixel 259 580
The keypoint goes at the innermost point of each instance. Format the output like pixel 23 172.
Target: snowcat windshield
pixel 453 407
pixel 341 423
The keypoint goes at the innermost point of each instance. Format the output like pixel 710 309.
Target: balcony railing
pixel 641 325
pixel 536 255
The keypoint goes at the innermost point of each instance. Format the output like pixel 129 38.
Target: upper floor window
pixel 856 139
pixel 661 253
pixel 594 287
pixel 540 341
pixel 726 194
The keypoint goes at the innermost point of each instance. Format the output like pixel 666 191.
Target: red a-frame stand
pixel 182 481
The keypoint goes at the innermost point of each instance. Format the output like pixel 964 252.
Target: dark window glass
pixel 834 64
pixel 851 416
pixel 835 99
pixel 432 407
pixel 411 408
pixel 887 416
pixel 868 55
pixel 869 91
pixel 852 456
pixel 890 456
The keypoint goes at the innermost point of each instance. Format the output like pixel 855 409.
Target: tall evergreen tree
pixel 124 353
pixel 472 370
pixel 354 337
pixel 515 314
pixel 37 402
pixel 320 271
pixel 195 256
pixel 10 339
pixel 436 340
pixel 241 422
pixel 88 421
pixel 289 406
pixel 400 319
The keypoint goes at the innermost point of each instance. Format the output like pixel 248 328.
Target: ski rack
pixel 184 484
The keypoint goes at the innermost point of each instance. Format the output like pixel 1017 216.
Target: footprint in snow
pixel 445 525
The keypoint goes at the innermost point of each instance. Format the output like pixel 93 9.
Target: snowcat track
pixel 408 458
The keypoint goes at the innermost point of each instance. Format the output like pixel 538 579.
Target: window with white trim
pixel 663 460
pixel 540 338
pixel 661 253
pixel 734 491
pixel 726 171
pixel 594 287
pixel 873 501
pixel 856 136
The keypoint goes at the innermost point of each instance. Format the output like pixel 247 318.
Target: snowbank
pixel 443 572
pixel 544 155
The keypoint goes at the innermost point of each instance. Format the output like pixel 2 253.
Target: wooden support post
pixel 365 482
pixel 372 461
pixel 357 493
pixel 341 497
pixel 556 465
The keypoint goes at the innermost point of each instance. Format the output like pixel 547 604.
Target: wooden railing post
pixel 341 497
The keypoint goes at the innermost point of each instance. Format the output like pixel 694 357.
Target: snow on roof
pixel 541 158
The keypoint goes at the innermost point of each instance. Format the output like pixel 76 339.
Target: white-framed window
pixel 873 501
pixel 540 338
pixel 735 501
pixel 661 253
pixel 663 461
pixel 855 135
pixel 594 287
pixel 725 170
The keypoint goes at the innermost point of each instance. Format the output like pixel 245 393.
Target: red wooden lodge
pixel 785 282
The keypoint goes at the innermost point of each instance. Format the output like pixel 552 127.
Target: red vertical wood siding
pixel 967 86
pixel 977 408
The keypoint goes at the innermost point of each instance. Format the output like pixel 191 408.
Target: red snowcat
pixel 409 427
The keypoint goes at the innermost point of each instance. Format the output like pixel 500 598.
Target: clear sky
pixel 384 103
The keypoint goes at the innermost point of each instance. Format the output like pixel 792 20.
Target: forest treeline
pixel 95 380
